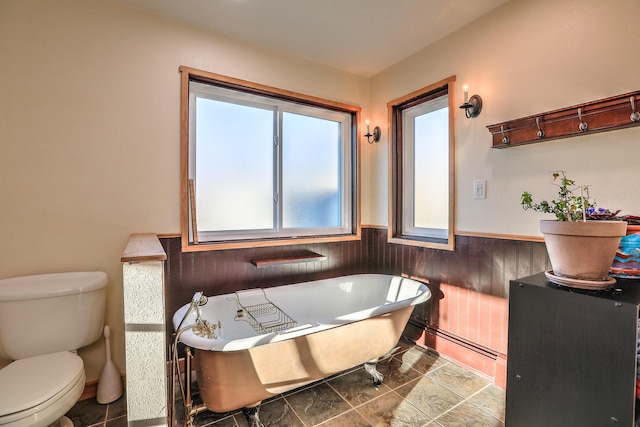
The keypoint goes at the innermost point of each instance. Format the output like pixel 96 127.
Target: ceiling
pixel 359 36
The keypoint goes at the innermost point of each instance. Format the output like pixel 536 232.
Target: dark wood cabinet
pixel 571 354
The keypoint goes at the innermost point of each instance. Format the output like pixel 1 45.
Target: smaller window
pixel 422 156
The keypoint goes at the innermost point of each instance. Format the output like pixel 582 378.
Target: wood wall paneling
pixel 469 285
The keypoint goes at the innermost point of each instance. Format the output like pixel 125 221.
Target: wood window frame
pixel 395 109
pixel 188 245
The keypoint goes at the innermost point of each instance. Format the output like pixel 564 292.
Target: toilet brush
pixel 110 382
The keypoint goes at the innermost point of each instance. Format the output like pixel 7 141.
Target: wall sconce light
pixel 472 106
pixel 375 135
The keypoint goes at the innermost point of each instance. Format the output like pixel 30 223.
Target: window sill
pixel 445 246
pixel 211 246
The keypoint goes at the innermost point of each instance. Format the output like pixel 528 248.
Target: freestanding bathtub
pixel 265 342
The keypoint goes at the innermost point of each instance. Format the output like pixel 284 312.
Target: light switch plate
pixel 480 189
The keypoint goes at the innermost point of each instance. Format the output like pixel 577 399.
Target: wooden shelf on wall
pixel 591 117
pixel 291 258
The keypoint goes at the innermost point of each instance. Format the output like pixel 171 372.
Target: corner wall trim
pixel 145 334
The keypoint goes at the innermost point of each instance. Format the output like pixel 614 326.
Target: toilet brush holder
pixel 110 381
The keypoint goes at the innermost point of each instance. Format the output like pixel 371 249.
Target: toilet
pixel 44 319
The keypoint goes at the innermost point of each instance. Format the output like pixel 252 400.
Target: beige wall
pixel 527 57
pixel 89 121
pixel 89 132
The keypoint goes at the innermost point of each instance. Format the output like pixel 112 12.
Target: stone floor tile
pixel 422 360
pixel 490 399
pixel 467 415
pixel 357 387
pixel 317 404
pixel 459 380
pixel 350 418
pixel 393 411
pixel 430 397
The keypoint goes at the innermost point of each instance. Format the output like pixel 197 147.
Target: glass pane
pixel 311 172
pixel 234 166
pixel 431 170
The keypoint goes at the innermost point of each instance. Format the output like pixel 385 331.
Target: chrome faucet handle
pixel 199 299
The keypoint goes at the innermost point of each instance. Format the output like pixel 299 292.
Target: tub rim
pixel 192 340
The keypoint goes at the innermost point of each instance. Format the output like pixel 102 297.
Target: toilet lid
pixel 29 382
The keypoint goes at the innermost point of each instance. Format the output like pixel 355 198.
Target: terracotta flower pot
pixel 582 250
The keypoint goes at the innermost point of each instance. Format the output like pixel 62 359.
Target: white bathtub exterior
pixel 342 322
pixel 316 306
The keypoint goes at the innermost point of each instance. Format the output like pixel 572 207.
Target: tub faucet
pixel 197 301
pixel 202 327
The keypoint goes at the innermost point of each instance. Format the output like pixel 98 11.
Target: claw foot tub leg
pixel 370 367
pixel 253 418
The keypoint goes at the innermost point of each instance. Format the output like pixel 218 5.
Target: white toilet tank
pixel 48 313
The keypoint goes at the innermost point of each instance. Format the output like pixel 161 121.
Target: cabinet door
pixel 571 359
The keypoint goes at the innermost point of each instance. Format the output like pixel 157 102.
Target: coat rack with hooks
pixel 612 113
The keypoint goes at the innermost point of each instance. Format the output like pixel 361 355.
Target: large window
pixel 422 156
pixel 265 166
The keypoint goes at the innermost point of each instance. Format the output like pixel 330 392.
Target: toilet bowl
pixel 43 320
pixel 38 391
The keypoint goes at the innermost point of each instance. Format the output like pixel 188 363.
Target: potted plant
pixel 581 241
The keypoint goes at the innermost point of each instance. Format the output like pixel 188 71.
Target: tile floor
pixel 420 388
pixel 90 413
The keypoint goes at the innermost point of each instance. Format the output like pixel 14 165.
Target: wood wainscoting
pixel 466 318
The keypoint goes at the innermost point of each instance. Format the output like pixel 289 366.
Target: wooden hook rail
pixel 613 113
